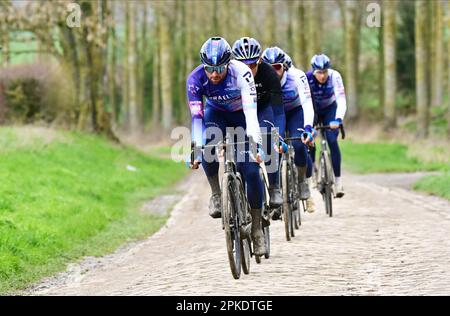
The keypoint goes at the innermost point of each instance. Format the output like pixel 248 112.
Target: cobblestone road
pixel 381 241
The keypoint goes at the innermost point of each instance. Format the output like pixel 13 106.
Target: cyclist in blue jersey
pixel 299 112
pixel 330 106
pixel 230 93
pixel 270 106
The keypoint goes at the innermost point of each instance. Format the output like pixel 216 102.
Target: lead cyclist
pixel 230 93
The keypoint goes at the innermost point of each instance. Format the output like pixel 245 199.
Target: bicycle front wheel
pixel 230 218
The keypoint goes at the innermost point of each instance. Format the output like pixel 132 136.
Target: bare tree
pixel 5 8
pixel 390 80
pixel 271 25
pixel 165 67
pixel 132 64
pixel 142 56
pixel 352 13
pixel 156 93
pixel 112 66
pixel 448 72
pixel 437 53
pixel 422 97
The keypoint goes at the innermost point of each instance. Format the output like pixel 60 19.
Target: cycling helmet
pixel 215 52
pixel 320 62
pixel 288 61
pixel 274 55
pixel 247 50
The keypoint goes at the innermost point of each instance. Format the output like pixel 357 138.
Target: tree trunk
pixel 143 63
pixel 244 9
pixel 448 71
pixel 126 68
pixel 352 26
pixel 294 34
pixel 165 70
pixel 132 59
pixel 314 26
pixel 301 54
pixel 381 61
pixel 189 36
pixel 215 18
pixel 438 53
pixel 72 59
pixel 156 97
pixel 390 80
pixel 225 7
pixel 270 24
pixel 4 35
pixel 421 68
pixel 112 68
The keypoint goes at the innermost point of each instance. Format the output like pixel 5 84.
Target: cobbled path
pixel 380 241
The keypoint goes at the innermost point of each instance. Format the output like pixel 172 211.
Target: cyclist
pixel 229 89
pixel 299 112
pixel 330 105
pixel 270 104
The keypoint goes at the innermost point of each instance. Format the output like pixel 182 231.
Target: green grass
pixel 383 157
pixel 70 195
pixel 436 185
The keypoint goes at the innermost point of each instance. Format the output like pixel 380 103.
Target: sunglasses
pixel 277 66
pixel 218 69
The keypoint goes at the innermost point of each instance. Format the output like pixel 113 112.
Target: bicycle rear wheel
pixel 286 199
pixel 328 197
pixel 298 214
pixel 231 224
pixel 245 242
pixel 296 217
pixel 245 257
pixel 266 231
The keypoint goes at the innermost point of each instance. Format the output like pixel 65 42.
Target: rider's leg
pixel 266 122
pixel 249 170
pixel 254 188
pixel 215 128
pixel 294 121
pixel 310 206
pixel 332 139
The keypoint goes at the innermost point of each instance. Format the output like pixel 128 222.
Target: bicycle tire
pixel 291 222
pixel 296 215
pixel 285 191
pixel 230 224
pixel 245 242
pixel 245 255
pixel 267 241
pixel 328 183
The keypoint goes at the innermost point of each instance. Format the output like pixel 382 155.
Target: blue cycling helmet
pixel 247 50
pixel 320 62
pixel 288 61
pixel 274 55
pixel 215 52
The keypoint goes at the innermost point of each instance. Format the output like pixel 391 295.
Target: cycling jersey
pixel 235 93
pixel 332 91
pixel 296 93
pixel 267 86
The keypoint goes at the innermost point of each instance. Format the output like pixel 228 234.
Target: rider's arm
pixel 195 102
pixel 276 100
pixel 246 83
pixel 339 92
pixel 305 99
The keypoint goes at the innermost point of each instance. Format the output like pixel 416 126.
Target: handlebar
pixel 222 144
pixel 325 127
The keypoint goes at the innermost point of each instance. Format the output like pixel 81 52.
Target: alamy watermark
pixel 374 17
pixel 74 17
pixel 213 136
